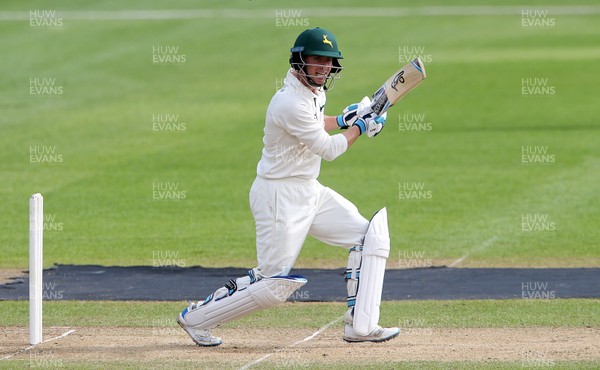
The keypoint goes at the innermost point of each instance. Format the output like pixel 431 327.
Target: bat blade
pixel 398 85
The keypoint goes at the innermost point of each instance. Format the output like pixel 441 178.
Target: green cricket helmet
pixel 316 41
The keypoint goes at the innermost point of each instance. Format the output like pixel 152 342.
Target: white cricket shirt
pixel 295 139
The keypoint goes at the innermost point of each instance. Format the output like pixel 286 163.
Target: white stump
pixel 36 238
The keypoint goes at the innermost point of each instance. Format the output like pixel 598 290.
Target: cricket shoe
pixel 199 336
pixel 378 334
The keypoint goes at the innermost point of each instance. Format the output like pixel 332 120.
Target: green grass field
pixel 109 154
pixel 79 103
pixel 439 314
pixel 421 320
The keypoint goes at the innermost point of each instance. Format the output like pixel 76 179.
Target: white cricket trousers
pixel 285 211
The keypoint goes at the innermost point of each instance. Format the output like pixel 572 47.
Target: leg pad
pixel 264 293
pixel 376 250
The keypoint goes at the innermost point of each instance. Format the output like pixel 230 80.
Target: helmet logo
pixel 325 41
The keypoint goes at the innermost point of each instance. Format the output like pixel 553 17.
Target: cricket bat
pixel 398 85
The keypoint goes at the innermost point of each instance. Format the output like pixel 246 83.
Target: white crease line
pixel 33 346
pixel 480 247
pixel 313 335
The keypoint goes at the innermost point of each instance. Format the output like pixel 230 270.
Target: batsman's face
pixel 318 67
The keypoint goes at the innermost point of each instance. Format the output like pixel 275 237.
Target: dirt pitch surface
pixel 297 348
pixel 11 275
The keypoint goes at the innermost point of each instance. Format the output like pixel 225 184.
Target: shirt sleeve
pixel 300 123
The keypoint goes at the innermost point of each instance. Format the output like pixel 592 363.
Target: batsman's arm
pixel 301 123
pixel 351 134
pixel 330 124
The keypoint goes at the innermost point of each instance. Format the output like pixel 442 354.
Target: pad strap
pixel 352 276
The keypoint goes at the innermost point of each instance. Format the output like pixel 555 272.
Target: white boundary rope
pixel 426 11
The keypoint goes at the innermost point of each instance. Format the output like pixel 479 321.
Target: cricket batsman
pixel 288 203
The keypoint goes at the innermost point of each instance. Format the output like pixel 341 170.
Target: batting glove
pixel 352 112
pixel 371 124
